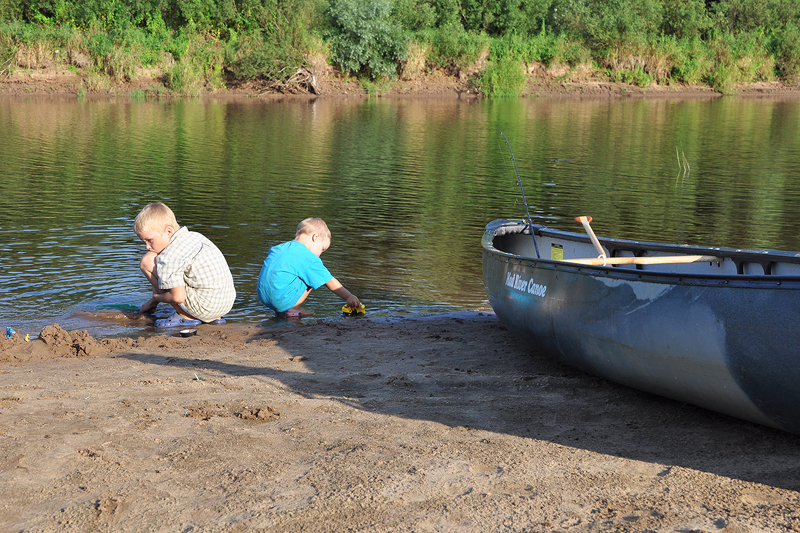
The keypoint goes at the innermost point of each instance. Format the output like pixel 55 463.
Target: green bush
pixel 414 15
pixel 685 19
pixel 531 17
pixel 200 66
pixel 540 48
pixel 251 56
pixel 511 46
pixel 638 75
pixel 570 51
pixel 735 16
pixel 10 10
pixel 692 60
pixel 276 49
pixel 447 12
pixel 739 59
pixel 608 23
pixel 453 46
pixel 481 15
pixel 722 78
pixel 100 48
pixel 504 78
pixel 215 17
pixel 22 33
pixel 499 17
pixel 183 79
pixel 365 39
pixel 753 61
pixel 785 46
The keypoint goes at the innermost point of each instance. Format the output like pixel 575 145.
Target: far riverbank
pixel 329 83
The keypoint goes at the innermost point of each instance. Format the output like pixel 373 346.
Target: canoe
pixel 714 327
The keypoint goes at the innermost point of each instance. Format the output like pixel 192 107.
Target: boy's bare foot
pixel 299 312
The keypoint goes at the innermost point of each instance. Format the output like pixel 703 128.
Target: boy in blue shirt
pixel 293 269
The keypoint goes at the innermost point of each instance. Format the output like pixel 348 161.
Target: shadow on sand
pixel 465 369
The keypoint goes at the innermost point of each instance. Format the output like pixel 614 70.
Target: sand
pixel 434 423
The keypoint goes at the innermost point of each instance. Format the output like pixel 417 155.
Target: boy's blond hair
pixel 155 216
pixel 311 226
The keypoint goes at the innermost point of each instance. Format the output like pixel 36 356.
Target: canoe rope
pixel 524 200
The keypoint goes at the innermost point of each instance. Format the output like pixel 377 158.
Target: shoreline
pixel 429 423
pixel 56 82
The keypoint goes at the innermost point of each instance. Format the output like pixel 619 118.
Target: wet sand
pixel 440 423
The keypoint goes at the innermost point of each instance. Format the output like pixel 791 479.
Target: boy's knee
pixel 148 263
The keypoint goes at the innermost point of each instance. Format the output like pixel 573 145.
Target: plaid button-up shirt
pixel 193 261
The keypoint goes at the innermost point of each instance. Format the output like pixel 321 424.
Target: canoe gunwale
pixel 503 227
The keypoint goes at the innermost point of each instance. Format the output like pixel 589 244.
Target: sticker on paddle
pixel 353 311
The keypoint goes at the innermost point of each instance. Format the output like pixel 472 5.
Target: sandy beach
pixel 423 424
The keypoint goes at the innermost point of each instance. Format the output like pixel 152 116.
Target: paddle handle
pixel 585 221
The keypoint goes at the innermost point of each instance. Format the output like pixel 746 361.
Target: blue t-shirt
pixel 288 271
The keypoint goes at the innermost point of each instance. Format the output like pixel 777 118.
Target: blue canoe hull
pixel 726 342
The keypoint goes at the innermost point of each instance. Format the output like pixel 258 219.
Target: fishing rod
pixel 524 200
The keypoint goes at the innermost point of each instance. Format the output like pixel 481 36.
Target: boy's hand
pixel 148 306
pixel 353 302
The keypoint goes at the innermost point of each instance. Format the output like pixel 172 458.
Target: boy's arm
pixel 175 295
pixel 339 290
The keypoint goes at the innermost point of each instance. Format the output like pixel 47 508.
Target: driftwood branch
pixel 302 81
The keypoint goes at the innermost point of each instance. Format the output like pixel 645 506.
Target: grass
pixel 416 63
pixel 452 46
pixel 376 87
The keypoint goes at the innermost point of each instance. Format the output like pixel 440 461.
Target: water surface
pixel 406 187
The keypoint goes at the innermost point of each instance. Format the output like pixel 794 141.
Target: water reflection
pixel 405 185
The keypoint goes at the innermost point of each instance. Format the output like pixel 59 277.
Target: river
pixel 406 186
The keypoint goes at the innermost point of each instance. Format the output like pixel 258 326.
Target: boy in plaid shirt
pixel 185 269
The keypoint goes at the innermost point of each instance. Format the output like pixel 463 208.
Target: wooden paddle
pixel 652 260
pixel 585 221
